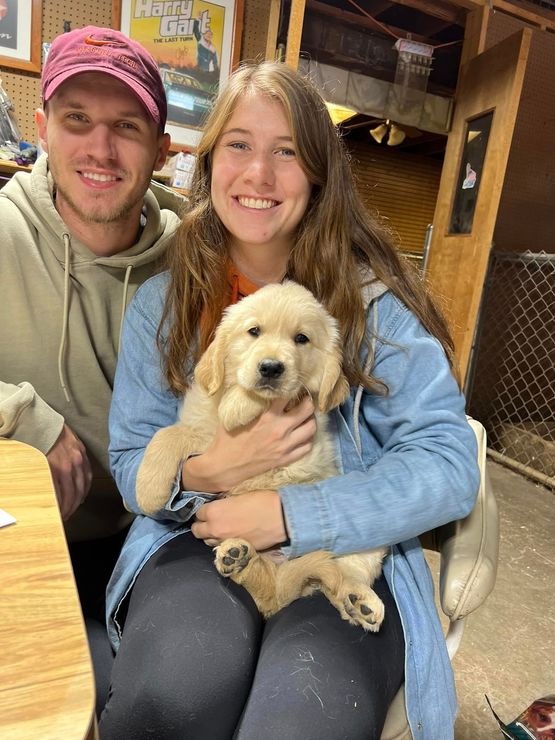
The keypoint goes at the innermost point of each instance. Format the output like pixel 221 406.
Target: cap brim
pixel 140 92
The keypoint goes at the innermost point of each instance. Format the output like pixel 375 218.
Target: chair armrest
pixel 469 548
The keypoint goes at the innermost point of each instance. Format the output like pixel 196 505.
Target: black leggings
pixel 93 562
pixel 197 662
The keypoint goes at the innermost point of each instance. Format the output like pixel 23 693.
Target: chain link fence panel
pixel 512 377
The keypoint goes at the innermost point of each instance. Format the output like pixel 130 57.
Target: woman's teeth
pixel 258 203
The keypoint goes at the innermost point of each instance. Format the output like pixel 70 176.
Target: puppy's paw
pixel 233 556
pixel 362 607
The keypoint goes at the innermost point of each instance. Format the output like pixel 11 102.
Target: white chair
pixel 468 565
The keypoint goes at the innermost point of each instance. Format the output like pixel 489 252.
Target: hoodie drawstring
pixel 65 318
pixel 366 370
pixel 65 313
pixel 124 302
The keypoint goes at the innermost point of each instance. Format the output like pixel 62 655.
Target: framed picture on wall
pixel 20 34
pixel 196 44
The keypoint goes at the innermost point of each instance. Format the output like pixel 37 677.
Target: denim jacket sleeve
pixel 142 402
pixel 416 466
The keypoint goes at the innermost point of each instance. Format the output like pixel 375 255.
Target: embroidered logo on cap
pixel 90 39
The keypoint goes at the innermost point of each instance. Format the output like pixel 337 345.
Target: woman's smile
pixel 259 190
pixel 258 204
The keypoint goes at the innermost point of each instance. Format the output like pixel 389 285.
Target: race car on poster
pixel 188 101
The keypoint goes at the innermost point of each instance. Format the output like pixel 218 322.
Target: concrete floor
pixel 508 648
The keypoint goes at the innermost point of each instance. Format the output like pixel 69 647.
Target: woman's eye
pixel 301 339
pixel 238 145
pixel 254 331
pixel 287 152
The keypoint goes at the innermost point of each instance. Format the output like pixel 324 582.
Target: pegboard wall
pixel 255 30
pixel 23 88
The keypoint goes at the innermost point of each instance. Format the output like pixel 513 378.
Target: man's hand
pixel 255 516
pixel 71 471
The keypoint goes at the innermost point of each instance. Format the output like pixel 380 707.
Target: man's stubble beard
pixel 119 213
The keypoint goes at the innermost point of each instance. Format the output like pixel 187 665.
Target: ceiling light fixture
pixel 396 135
pixel 379 132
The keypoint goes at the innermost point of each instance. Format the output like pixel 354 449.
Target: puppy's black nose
pixel 271 368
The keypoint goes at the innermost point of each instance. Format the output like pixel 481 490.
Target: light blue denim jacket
pixel 407 462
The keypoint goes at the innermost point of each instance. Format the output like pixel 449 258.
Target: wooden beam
pixel 359 21
pixel 437 9
pixel 294 33
pixel 526 15
pixel 517 11
pixel 273 29
pixel 475 34
pixel 468 4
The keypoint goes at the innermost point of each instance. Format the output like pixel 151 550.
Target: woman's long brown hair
pixel 336 238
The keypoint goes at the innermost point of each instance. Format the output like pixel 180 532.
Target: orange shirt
pixel 239 284
pixel 238 287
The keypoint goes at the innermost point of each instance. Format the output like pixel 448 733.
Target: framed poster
pixel 20 34
pixel 196 44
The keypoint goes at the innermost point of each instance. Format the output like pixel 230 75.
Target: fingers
pixel 294 429
pixel 255 516
pixel 71 471
pixel 201 531
pixel 303 410
pixel 300 418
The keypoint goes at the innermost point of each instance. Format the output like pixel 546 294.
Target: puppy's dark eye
pixel 254 331
pixel 301 339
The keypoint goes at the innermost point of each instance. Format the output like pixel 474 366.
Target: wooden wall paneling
pixel 525 217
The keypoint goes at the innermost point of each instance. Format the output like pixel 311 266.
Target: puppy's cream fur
pixel 277 343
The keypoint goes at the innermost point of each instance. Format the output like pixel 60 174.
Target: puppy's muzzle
pixel 270 372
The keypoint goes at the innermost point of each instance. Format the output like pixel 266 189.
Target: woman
pixel 273 196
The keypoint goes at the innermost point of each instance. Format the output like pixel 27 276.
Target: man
pixel 79 235
pixel 207 54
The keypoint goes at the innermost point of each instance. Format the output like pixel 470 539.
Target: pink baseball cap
pixel 93 49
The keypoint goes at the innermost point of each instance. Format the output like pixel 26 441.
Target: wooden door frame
pixel 457 264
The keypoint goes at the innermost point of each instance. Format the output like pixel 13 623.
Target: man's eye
pixel 301 339
pixel 254 331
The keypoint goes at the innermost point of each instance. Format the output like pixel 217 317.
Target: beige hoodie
pixel 61 310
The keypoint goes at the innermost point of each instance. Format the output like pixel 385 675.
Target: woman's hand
pixel 277 438
pixel 255 516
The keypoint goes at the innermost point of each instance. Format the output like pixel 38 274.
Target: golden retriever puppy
pixel 279 342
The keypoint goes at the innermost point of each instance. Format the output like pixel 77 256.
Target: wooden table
pixel 46 679
pixel 10 168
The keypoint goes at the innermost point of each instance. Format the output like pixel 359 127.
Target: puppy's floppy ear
pixel 210 369
pixel 334 388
